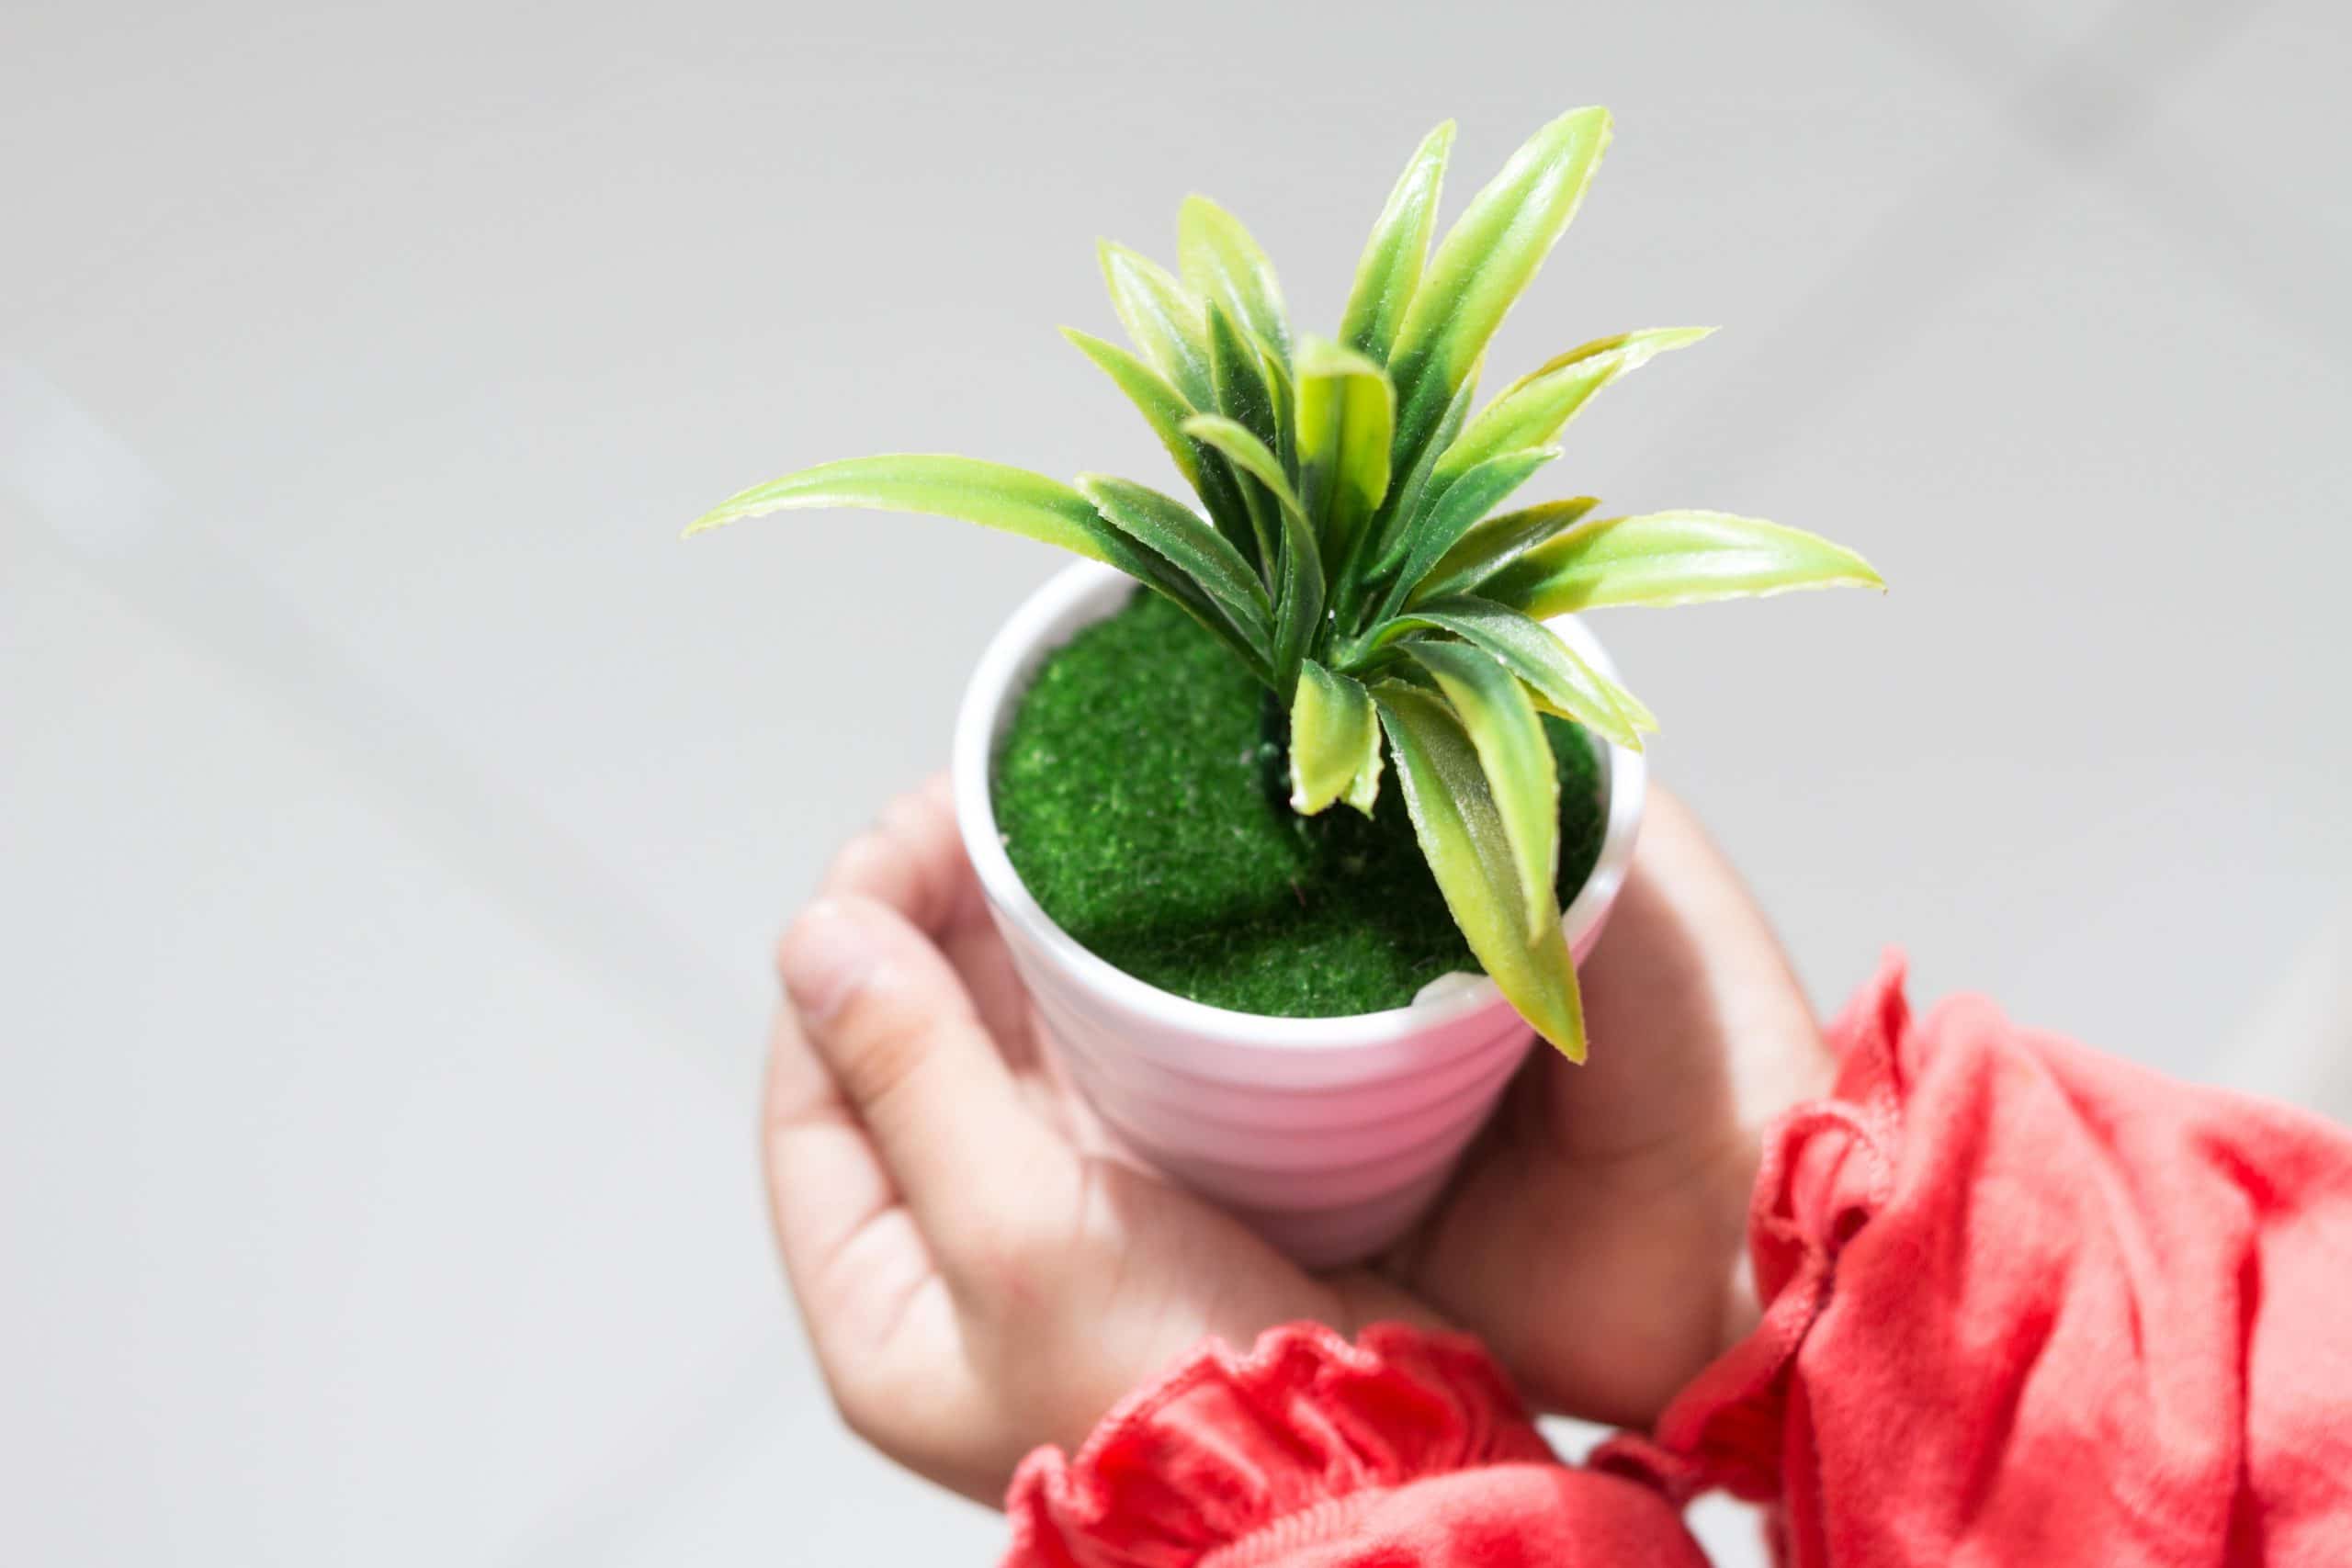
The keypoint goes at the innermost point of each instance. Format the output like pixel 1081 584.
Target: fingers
pixel 875 1307
pixel 912 859
pixel 898 1035
pixel 1690 1000
pixel 827 1186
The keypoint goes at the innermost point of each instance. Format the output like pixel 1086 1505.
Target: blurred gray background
pixel 395 815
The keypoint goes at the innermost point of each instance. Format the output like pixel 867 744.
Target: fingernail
pixel 824 960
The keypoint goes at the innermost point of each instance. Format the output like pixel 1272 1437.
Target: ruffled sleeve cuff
pixel 2028 1303
pixel 1406 1449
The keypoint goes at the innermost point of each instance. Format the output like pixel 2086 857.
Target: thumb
pixel 899 1033
pixel 1699 1028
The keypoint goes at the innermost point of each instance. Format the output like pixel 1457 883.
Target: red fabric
pixel 1403 1451
pixel 2024 1304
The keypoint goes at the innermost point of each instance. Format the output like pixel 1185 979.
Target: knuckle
pixel 860 859
pixel 885 1047
pixel 1015 1263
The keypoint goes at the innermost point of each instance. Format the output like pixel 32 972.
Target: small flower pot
pixel 1328 1135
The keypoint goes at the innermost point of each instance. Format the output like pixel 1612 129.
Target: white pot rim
pixel 1001 677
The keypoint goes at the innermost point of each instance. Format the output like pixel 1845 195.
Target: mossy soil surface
pixel 1142 791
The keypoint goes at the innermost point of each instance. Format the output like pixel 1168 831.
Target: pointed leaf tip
pixel 1222 263
pixel 1485 263
pixel 1395 254
pixel 1162 317
pixel 1534 409
pixel 1673 557
pixel 991 494
pixel 1494 710
pixel 1460 829
pixel 1560 680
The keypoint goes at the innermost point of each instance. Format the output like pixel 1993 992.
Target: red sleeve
pixel 1403 1451
pixel 2024 1304
pixel 2029 1304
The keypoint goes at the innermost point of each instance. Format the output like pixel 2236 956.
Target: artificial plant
pixel 1350 555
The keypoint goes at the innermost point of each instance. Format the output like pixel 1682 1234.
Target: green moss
pixel 1141 790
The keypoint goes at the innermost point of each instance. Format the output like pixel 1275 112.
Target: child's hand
pixel 1596 1233
pixel 974 1283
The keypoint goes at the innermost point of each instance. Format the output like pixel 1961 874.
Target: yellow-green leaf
pixel 1392 257
pixel 1222 263
pixel 1534 409
pixel 1424 541
pixel 991 494
pixel 1161 405
pixel 1640 718
pixel 1164 408
pixel 1237 376
pixel 1498 541
pixel 1283 392
pixel 994 496
pixel 1298 613
pixel 1560 680
pixel 1407 488
pixel 1461 833
pixel 1334 743
pixel 1483 263
pixel 1189 543
pixel 1163 319
pixel 1248 453
pixel 1237 380
pixel 1521 774
pixel 1299 584
pixel 1347 416
pixel 1672 558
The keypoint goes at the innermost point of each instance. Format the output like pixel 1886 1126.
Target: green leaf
pixel 1483 263
pixel 1532 411
pixel 1422 542
pixel 1162 406
pixel 1284 391
pixel 1346 419
pixel 1461 832
pixel 1163 320
pixel 1498 541
pixel 1382 540
pixel 1228 507
pixel 1298 614
pixel 991 494
pixel 1392 257
pixel 1508 737
pixel 1222 264
pixel 1561 681
pixel 1191 543
pixel 1672 558
pixel 1334 743
pixel 1298 605
pixel 1248 454
pixel 1165 410
pixel 1644 721
pixel 994 496
pixel 1238 375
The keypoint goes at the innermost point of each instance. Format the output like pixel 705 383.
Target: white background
pixel 394 817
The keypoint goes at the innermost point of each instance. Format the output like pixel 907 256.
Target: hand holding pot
pixel 975 1282
pixel 1595 1236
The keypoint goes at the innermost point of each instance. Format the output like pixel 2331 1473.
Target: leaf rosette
pixel 1347 546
